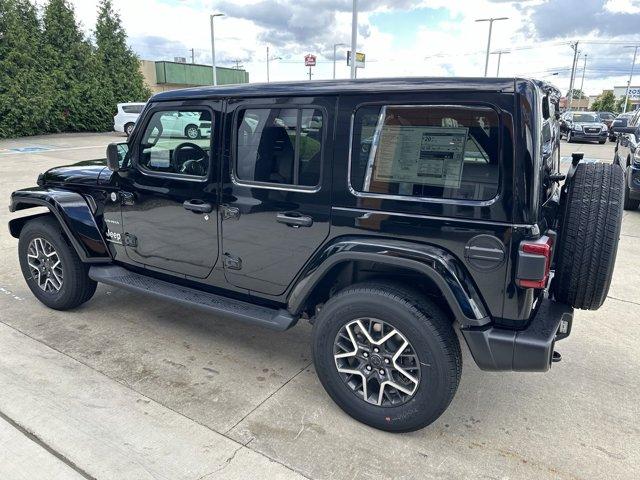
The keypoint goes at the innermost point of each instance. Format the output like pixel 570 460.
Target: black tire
pixel 192 132
pixel 629 203
pixel 425 327
pixel 602 142
pixel 76 286
pixel 128 129
pixel 589 235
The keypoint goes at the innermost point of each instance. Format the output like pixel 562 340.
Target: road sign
pixel 359 59
pixel 309 60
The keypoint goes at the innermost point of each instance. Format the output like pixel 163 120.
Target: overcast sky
pixel 399 37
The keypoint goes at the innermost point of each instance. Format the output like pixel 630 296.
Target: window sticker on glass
pixel 420 155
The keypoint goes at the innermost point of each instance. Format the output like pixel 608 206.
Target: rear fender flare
pixel 72 212
pixel 437 264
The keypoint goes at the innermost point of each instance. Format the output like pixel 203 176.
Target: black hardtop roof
pixel 329 87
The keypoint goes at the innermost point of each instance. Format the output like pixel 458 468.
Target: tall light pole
pixel 584 69
pixel 574 45
pixel 335 45
pixel 633 66
pixel 269 58
pixel 490 20
pixel 213 47
pixel 499 53
pixel 354 38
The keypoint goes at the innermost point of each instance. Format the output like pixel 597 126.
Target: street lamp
pixel 633 66
pixel 268 59
pixel 499 53
pixel 354 38
pixel 213 47
pixel 490 20
pixel 335 45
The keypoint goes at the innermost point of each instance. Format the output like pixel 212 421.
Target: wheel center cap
pixel 376 361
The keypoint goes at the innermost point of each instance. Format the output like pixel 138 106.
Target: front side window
pixel 439 151
pixel 177 142
pixel 279 146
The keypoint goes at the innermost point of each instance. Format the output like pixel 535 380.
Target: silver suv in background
pixel 127 115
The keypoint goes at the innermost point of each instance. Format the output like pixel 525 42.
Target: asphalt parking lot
pixel 127 388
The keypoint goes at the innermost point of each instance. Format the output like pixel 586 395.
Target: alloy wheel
pixel 193 133
pixel 45 265
pixel 377 362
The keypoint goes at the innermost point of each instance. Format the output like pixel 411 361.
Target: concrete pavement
pixel 124 387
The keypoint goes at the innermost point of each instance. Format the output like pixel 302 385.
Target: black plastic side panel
pixel 441 267
pixel 74 215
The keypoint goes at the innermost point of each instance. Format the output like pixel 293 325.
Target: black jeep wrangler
pixel 396 215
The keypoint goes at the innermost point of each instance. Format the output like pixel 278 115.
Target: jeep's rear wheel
pixel 589 235
pixel 51 267
pixel 387 356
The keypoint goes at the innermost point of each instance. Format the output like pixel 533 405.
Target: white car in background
pixel 126 117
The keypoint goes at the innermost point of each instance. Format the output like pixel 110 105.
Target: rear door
pixel 276 193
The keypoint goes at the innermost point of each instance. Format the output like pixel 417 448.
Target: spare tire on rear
pixel 589 234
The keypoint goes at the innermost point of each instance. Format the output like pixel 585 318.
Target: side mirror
pixel 116 154
pixel 618 129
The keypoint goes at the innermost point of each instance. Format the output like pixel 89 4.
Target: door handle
pixel 197 206
pixel 294 219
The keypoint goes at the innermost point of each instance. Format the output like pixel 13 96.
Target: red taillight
pixel 542 248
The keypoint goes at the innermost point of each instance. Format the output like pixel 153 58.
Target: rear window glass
pixel 438 151
pixel 585 117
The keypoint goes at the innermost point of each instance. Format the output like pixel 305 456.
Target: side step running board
pixel 208 302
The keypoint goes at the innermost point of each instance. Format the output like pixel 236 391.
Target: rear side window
pixel 436 151
pixel 280 146
pixel 132 108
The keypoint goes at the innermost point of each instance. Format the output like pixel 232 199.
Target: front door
pixel 276 200
pixel 170 192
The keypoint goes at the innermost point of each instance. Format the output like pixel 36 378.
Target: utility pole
pixel 499 53
pixel 193 56
pixel 490 20
pixel 354 39
pixel 335 45
pixel 633 66
pixel 213 47
pixel 574 45
pixel 584 69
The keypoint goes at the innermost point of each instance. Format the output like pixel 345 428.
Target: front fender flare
pixel 437 264
pixel 72 212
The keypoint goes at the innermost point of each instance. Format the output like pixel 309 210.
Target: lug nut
pixel 381 372
pixel 376 350
pixel 369 367
pixel 365 354
pixel 386 360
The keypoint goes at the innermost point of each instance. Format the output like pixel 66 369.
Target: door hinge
pixel 229 213
pixel 130 240
pixel 232 263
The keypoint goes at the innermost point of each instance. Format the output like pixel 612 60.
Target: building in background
pixel 162 76
pixel 577 104
pixel 634 95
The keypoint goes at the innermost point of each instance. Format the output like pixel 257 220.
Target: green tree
pixel 605 102
pixel 25 90
pixel 121 78
pixel 620 104
pixel 576 94
pixel 70 66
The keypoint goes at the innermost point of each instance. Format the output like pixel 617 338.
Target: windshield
pixel 585 117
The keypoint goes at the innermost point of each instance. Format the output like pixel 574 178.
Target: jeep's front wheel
pixel 387 356
pixel 51 267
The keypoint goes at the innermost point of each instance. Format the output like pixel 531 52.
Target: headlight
pixel 577 128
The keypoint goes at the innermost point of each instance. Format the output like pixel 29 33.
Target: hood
pixel 589 124
pixel 81 173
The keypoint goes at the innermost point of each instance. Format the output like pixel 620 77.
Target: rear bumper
pixel 528 350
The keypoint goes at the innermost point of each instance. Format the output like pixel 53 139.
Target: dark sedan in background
pixel 621 120
pixel 583 126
